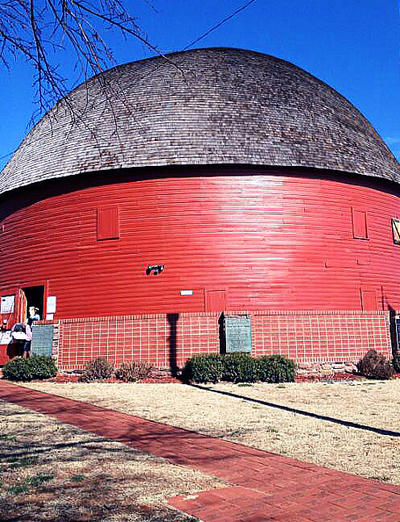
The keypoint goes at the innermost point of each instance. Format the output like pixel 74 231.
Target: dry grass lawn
pixel 369 404
pixel 53 471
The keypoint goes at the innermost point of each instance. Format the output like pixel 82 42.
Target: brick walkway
pixel 264 486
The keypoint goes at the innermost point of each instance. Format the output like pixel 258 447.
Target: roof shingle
pixel 210 106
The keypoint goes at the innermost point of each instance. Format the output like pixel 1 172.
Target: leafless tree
pixel 37 30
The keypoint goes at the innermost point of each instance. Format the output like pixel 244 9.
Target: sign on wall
pixel 5 337
pixel 51 304
pixel 238 333
pixel 397 324
pixel 7 304
pixel 42 339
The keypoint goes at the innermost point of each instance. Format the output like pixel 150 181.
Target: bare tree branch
pixel 37 29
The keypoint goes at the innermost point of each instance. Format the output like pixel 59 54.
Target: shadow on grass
pixel 40 480
pixel 342 422
pixel 95 499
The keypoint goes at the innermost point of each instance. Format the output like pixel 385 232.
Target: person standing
pixel 27 345
pixel 33 315
pixel 21 335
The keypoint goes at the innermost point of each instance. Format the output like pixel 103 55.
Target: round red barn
pixel 217 180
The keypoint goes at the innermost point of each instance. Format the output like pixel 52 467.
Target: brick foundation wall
pixel 167 341
pixel 309 337
pixel 162 340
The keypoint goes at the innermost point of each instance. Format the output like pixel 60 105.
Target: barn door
pixel 215 300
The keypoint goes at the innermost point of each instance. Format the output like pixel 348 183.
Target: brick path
pixel 264 486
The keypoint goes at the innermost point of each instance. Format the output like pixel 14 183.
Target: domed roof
pixel 199 107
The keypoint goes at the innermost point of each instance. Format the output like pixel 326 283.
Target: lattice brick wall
pixel 168 340
pixel 320 336
pixel 157 339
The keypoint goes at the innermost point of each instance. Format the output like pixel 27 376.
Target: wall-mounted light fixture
pixel 154 269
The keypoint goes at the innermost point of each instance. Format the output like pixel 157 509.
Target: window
pixel 107 223
pixel 396 231
pixel 359 219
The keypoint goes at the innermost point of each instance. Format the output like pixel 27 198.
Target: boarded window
pixel 359 218
pixel 215 300
pixel 369 300
pixel 107 223
pixel 396 230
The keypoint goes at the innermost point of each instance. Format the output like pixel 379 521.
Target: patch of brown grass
pixel 327 443
pixel 53 471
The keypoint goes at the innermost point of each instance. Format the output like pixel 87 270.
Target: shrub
pixel 133 371
pixel 375 365
pixel 17 370
pixel 276 368
pixel 42 367
pixel 204 368
pixel 240 367
pixel 97 370
pixel 35 367
pixel 396 363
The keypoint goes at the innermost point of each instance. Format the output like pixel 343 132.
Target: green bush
pixel 276 368
pixel 375 365
pixel 133 371
pixel 35 367
pixel 396 363
pixel 42 367
pixel 240 367
pixel 97 370
pixel 204 368
pixel 17 370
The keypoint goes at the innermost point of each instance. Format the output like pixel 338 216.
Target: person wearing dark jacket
pixel 21 335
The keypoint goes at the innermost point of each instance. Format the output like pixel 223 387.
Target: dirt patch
pixel 370 405
pixel 53 471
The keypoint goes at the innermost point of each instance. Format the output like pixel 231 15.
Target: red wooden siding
pixel 270 242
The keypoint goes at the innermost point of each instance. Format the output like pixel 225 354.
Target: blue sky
pixel 353 45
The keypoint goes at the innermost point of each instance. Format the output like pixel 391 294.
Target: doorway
pixel 31 296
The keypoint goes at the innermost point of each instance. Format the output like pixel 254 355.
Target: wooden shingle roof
pixel 200 107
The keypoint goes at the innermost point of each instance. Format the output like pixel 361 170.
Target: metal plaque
pixel 42 339
pixel 397 324
pixel 238 333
